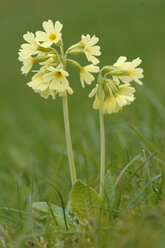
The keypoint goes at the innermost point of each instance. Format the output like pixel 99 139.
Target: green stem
pixel 102 143
pixel 68 139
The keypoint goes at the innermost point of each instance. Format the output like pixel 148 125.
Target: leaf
pixel 56 211
pixel 108 187
pixel 85 202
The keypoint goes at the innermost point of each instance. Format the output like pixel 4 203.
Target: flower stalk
pixel 68 139
pixel 102 143
pixel 67 128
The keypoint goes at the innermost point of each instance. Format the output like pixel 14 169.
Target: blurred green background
pixel 31 128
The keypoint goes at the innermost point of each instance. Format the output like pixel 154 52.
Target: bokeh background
pixel 31 128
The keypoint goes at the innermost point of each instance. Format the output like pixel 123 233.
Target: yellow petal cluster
pixel 114 95
pixel 112 103
pixel 87 45
pixel 85 74
pixel 45 49
pixel 51 35
pixel 132 72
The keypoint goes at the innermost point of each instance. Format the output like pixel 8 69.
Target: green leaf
pixel 85 202
pixel 108 187
pixel 56 211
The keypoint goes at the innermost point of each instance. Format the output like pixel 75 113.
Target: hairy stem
pixel 68 139
pixel 102 143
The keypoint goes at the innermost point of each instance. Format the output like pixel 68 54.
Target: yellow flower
pixel 57 79
pixel 39 86
pixel 132 73
pixel 30 48
pixel 27 64
pixel 51 35
pixel 112 103
pixel 90 49
pixel 85 74
pixel 87 46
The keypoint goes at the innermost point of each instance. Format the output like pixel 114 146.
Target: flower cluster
pixel 113 95
pixel 41 49
pixel 45 48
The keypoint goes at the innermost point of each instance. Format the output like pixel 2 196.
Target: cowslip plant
pixel 113 91
pixel 111 96
pixel 45 49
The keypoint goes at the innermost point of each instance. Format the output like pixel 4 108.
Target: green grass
pixel 33 152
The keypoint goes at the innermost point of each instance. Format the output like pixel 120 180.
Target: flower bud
pixel 119 72
pixel 75 64
pixel 40 59
pixel 76 51
pixel 109 68
pixel 44 49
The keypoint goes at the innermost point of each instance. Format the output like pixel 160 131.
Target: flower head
pixel 85 74
pixel 113 98
pixel 51 35
pixel 131 72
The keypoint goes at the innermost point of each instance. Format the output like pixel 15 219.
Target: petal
pixel 94 91
pixel 29 37
pixel 41 36
pixel 87 77
pixel 54 85
pixel 137 81
pixel 93 40
pixel 70 91
pixel 65 73
pixel 92 68
pixel 91 58
pixel 48 77
pixel 120 61
pixel 126 79
pixel 95 50
pixel 82 81
pixel 64 83
pixel 58 27
pixel 47 43
pixel 136 62
pixel 48 26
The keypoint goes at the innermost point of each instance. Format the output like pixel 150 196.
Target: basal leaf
pixel 85 202
pixel 56 211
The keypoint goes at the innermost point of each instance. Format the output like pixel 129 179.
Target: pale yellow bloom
pixel 90 49
pixel 46 93
pixel 109 106
pixel 51 35
pixel 27 64
pixel 30 48
pixel 39 86
pixel 87 46
pixel 132 73
pixel 113 103
pixel 58 80
pixel 85 74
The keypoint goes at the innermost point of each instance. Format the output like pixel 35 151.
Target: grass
pixel 33 152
